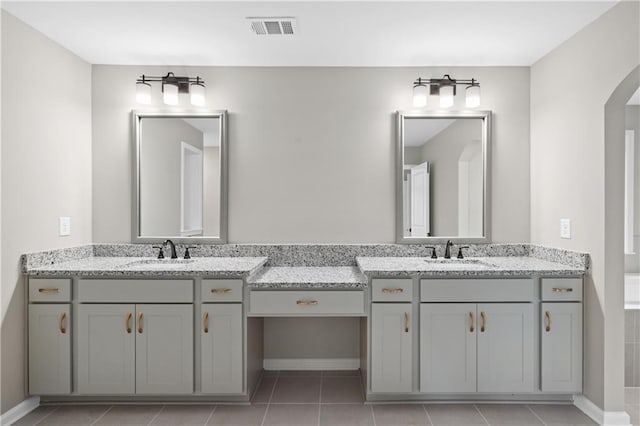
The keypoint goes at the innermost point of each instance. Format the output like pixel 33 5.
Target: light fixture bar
pixel 445 87
pixel 171 82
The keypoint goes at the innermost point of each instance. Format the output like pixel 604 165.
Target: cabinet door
pixel 221 349
pixel 391 348
pixel 505 347
pixel 448 347
pixel 49 349
pixel 561 347
pixel 106 349
pixel 164 349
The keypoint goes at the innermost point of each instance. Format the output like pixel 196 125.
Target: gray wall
pixel 573 176
pixel 160 156
pixel 632 119
pixel 310 149
pixel 46 171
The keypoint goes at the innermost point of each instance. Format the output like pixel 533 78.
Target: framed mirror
pixel 442 177
pixel 180 177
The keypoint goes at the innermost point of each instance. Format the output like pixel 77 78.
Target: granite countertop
pixel 152 267
pixel 471 266
pixel 327 277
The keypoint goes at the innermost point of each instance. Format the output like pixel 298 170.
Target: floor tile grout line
pixel 210 415
pixel 536 414
pixel 320 398
pixel 481 415
pixel 47 415
pixel 424 407
pixel 373 416
pixel 101 416
pixel 156 416
pixel 273 390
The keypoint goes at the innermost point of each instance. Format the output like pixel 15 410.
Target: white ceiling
pixel 418 131
pixel 334 33
pixel 208 127
pixel 635 98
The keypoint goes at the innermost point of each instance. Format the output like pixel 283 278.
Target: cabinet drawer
pixel 306 303
pixel 477 290
pixel 221 290
pixel 49 290
pixel 569 289
pixel 391 290
pixel 135 291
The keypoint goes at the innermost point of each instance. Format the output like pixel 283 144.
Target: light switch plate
pixel 565 228
pixel 64 226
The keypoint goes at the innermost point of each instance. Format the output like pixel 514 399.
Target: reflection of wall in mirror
pixel 443 152
pixel 160 173
pixel 211 189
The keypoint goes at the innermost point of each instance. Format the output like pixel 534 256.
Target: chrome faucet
pixel 174 255
pixel 447 250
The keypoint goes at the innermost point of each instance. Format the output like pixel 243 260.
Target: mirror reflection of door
pixel 416 195
pixel 191 191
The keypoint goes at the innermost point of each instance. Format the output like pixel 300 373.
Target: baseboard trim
pixel 311 364
pixel 605 418
pixel 20 410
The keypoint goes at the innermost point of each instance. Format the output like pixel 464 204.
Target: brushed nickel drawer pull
pixel 392 290
pixel 49 290
pixel 483 327
pixel 562 289
pixel 140 329
pixel 547 315
pixel 472 321
pixel 406 322
pixel 221 290
pixel 127 322
pixel 307 302
pixel 63 328
pixel 205 322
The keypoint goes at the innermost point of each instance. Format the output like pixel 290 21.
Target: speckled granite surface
pixel 479 266
pixel 337 277
pixel 150 267
pixel 51 257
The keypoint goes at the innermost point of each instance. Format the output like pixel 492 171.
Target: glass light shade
pixel 446 96
pixel 170 94
pixel 473 96
pixel 197 94
pixel 143 93
pixel 420 92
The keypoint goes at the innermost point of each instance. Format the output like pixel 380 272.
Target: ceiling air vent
pixel 273 25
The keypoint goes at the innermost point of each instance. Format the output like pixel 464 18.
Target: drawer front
pixel 477 290
pixel 566 289
pixel 221 290
pixel 49 290
pixel 306 303
pixel 391 290
pixel 135 291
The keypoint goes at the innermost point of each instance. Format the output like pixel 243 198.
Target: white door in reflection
pixel 420 200
pixel 191 191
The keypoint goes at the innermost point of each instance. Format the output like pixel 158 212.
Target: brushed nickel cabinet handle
pixel 205 322
pixel 127 322
pixel 406 322
pixel 392 290
pixel 483 327
pixel 221 290
pixel 307 302
pixel 562 289
pixel 139 326
pixel 63 327
pixel 49 290
pixel 547 316
pixel 472 321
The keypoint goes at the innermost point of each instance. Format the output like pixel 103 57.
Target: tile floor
pixel 317 398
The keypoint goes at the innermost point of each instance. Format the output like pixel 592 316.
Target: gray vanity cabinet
pixel 49 349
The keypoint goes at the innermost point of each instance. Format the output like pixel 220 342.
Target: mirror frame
pixel 485 116
pixel 136 117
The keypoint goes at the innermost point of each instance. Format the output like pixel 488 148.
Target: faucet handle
pixel 187 255
pixel 460 251
pixel 434 255
pixel 161 253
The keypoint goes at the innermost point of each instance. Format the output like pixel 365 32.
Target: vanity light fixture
pixel 445 87
pixel 172 86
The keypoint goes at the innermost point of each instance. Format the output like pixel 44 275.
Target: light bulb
pixel 170 93
pixel 143 93
pixel 473 96
pixel 446 96
pixel 197 94
pixel 420 95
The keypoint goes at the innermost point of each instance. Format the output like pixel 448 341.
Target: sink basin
pixel 159 264
pixel 457 263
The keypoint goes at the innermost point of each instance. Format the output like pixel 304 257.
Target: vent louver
pixel 273 25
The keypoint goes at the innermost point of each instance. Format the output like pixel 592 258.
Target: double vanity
pixel 114 328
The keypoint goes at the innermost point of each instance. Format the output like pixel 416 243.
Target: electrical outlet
pixel 64 226
pixel 565 228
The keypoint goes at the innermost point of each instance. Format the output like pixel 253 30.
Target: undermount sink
pixel 159 263
pixel 467 263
